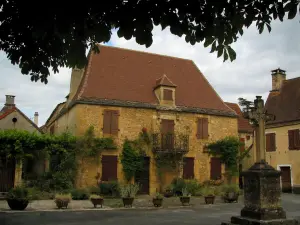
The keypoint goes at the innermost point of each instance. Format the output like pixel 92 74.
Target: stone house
pixel 122 91
pixel 11 117
pixel 283 134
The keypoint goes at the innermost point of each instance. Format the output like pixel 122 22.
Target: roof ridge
pixel 293 78
pixel 144 52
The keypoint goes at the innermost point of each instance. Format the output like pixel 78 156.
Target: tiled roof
pixel 285 103
pixel 123 75
pixel 243 124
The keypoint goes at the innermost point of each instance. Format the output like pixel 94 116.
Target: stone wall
pixel 131 122
pixel 283 156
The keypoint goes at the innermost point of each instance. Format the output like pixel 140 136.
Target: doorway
pixel 142 177
pixel 286 179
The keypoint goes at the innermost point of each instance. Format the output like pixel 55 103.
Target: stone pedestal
pixel 262 198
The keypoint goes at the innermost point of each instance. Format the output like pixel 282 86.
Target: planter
pixel 185 200
pixel 168 194
pixel 210 199
pixel 157 202
pixel 127 201
pixel 62 203
pixel 97 201
pixel 231 197
pixel 17 204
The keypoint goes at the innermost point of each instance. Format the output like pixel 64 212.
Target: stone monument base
pixel 238 220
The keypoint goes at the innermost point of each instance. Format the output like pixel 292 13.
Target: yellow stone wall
pixel 284 156
pixel 131 122
pixel 248 161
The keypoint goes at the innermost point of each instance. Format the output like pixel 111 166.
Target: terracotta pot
pixel 185 200
pixel 231 197
pixel 210 199
pixel 168 194
pixel 62 203
pixel 17 204
pixel 127 201
pixel 97 201
pixel 157 202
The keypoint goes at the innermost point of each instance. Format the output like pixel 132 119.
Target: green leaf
pixel 213 47
pixel 232 54
pixel 269 27
pixel 225 56
pixel 220 50
pixel 292 12
pixel 208 41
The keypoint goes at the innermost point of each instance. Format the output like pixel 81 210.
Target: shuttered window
pixel 188 168
pixel 271 142
pixel 111 122
pixel 109 168
pixel 294 139
pixel 215 168
pixel 242 147
pixel 168 95
pixel 202 128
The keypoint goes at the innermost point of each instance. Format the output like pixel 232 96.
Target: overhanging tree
pixel 39 36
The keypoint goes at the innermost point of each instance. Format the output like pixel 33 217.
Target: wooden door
pixel 142 177
pixel 7 174
pixel 167 138
pixel 109 168
pixel 188 168
pixel 286 182
pixel 215 168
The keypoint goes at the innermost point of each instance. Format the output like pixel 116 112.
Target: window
pixel 168 95
pixel 215 168
pixel 294 139
pixel 271 142
pixel 248 137
pixel 109 168
pixel 188 168
pixel 202 128
pixel 110 122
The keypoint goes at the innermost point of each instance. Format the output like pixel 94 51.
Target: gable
pixel 129 76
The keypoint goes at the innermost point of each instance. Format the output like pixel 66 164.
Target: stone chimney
pixel 76 77
pixel 10 101
pixel 36 118
pixel 278 77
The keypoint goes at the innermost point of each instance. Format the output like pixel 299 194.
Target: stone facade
pixel 131 121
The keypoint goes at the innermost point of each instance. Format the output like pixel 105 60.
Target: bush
pixel 178 184
pixel 20 193
pixel 37 194
pixel 94 190
pixel 193 187
pixel 110 188
pixel 80 194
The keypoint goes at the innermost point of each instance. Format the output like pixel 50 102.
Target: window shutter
pixel 109 168
pixel 115 122
pixel 273 142
pixel 291 139
pixel 268 143
pixel 199 128
pixel 215 169
pixel 242 148
pixel 297 138
pixel 106 122
pixel 204 128
pixel 188 168
pixel 168 95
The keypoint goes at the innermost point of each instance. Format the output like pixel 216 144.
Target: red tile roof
pixel 5 113
pixel 285 103
pixel 243 124
pixel 123 75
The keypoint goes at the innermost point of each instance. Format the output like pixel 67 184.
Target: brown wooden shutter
pixel 114 122
pixel 188 168
pixel 291 139
pixel 107 121
pixel 268 142
pixel 297 139
pixel 109 168
pixel 168 95
pixel 204 128
pixel 215 168
pixel 199 128
pixel 242 147
pixel 273 142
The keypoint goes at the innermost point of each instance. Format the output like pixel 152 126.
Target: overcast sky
pixel 249 75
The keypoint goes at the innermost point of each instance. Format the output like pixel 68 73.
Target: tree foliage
pixel 37 38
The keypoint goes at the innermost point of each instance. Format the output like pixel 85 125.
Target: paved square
pixel 199 214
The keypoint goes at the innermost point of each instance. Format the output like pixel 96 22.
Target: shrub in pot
pixel 157 200
pixel 18 198
pixel 96 200
pixel 128 193
pixel 178 184
pixel 209 195
pixel 169 191
pixel 230 193
pixel 186 197
pixel 62 200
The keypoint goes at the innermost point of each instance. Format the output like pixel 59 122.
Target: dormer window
pixel 168 94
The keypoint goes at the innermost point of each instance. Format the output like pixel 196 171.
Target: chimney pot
pixel 10 100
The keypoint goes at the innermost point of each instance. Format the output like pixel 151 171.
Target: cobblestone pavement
pixel 199 214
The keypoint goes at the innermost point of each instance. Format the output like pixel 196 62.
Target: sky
pixel 248 76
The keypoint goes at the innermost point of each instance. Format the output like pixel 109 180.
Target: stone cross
pixel 258 116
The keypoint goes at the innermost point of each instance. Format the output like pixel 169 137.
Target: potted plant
pixel 209 195
pixel 169 191
pixel 186 197
pixel 18 198
pixel 128 193
pixel 157 200
pixel 230 193
pixel 96 200
pixel 62 200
